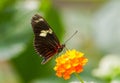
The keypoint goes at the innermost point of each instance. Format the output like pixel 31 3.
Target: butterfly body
pixel 46 42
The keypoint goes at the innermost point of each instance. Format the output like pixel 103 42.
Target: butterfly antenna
pixel 71 36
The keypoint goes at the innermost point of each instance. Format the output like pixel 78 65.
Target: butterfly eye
pixel 61 48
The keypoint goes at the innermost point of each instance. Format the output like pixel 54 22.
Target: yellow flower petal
pixel 70 62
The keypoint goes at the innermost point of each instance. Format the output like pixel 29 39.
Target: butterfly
pixel 46 42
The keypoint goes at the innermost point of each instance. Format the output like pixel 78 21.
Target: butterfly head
pixel 61 48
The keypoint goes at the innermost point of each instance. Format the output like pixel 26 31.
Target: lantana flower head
pixel 70 62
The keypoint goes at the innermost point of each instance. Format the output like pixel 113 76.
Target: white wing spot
pixel 38 20
pixel 44 33
pixel 50 31
pixel 41 19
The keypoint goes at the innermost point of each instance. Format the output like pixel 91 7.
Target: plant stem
pixel 79 78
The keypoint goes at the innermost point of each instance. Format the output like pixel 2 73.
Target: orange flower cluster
pixel 70 62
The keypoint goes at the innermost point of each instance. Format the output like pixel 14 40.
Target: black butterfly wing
pixel 46 43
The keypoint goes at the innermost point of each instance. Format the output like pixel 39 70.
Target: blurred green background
pixel 98 26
